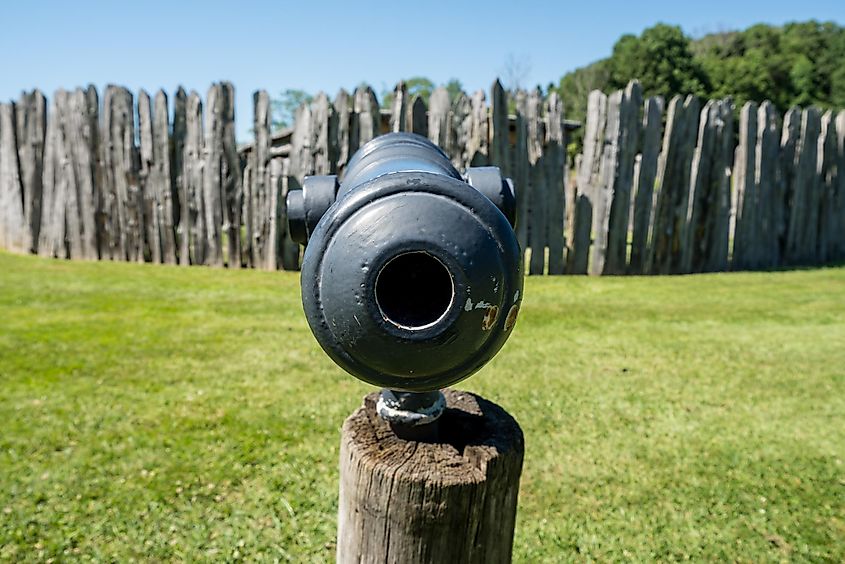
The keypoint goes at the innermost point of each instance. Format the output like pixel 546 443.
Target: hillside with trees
pixel 795 64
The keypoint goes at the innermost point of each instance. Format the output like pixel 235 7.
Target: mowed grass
pixel 164 413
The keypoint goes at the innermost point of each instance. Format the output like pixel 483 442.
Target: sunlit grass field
pixel 164 413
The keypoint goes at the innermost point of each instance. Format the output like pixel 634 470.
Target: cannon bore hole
pixel 414 290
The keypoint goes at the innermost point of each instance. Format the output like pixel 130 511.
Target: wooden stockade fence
pixel 658 189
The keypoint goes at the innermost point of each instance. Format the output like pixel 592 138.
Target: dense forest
pixel 796 64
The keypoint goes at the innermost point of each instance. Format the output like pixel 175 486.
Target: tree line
pixel 797 64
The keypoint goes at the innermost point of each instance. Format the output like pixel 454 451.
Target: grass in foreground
pixel 154 412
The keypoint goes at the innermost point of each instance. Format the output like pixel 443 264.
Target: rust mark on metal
pixel 510 321
pixel 490 318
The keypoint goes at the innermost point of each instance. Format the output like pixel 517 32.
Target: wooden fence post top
pixel 473 433
pixel 448 501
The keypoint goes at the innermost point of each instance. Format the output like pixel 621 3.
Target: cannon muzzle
pixel 412 275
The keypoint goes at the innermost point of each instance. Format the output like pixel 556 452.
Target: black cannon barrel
pixel 412 275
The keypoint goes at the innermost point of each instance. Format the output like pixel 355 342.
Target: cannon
pixel 412 274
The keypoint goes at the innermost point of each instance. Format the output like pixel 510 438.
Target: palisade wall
pixel 688 186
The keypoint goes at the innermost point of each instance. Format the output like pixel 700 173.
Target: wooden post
pixel 448 501
pixel 644 180
pixel 668 235
pixel 438 119
pixel 556 170
pixel 744 206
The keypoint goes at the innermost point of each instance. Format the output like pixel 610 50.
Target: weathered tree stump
pixel 447 501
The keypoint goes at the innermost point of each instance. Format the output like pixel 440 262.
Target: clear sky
pixel 327 45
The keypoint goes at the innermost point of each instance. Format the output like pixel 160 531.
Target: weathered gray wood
pixel 520 172
pixel 48 242
pixel 461 129
pixel 839 215
pixel 81 134
pixel 537 195
pixel 669 227
pixel 826 171
pixel 449 501
pixel 177 170
pixel 802 233
pixel 477 148
pixel 499 128
pixel 709 206
pixel 612 196
pixel 368 120
pixel 588 172
pixel 289 249
pixel 417 118
pixel 554 154
pixel 398 108
pixel 75 194
pixel 74 235
pixel 148 188
pixel 276 222
pixel 31 121
pixel 767 184
pixel 577 260
pixel 644 183
pixel 193 178
pixel 744 208
pixel 571 195
pixel 122 237
pixel 231 179
pixel 14 234
pixel 324 145
pixel 213 174
pixel 790 133
pixel 301 154
pixel 259 213
pixel 438 119
pixel 343 105
pixel 163 180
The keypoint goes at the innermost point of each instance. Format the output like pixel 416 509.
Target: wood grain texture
pixel 417 116
pixel 766 179
pixel 745 203
pixel 826 170
pixel 31 122
pixel 368 120
pixel 477 147
pixel 122 203
pixel 520 172
pixel 670 215
pixel 177 171
pixel 499 134
pixel 14 234
pixel 803 228
pixel 643 197
pixel 398 108
pixel 452 501
pixel 324 142
pixel 537 200
pixel 146 178
pixel 554 154
pixel 438 119
pixel 612 194
pixel 839 199
pixel 709 206
pixel 344 107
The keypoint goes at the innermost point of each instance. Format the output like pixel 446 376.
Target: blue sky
pixel 327 45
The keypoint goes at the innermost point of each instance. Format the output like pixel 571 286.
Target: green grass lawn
pixel 154 412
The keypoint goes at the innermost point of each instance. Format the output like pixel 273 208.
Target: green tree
pixel 284 107
pixel 661 59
